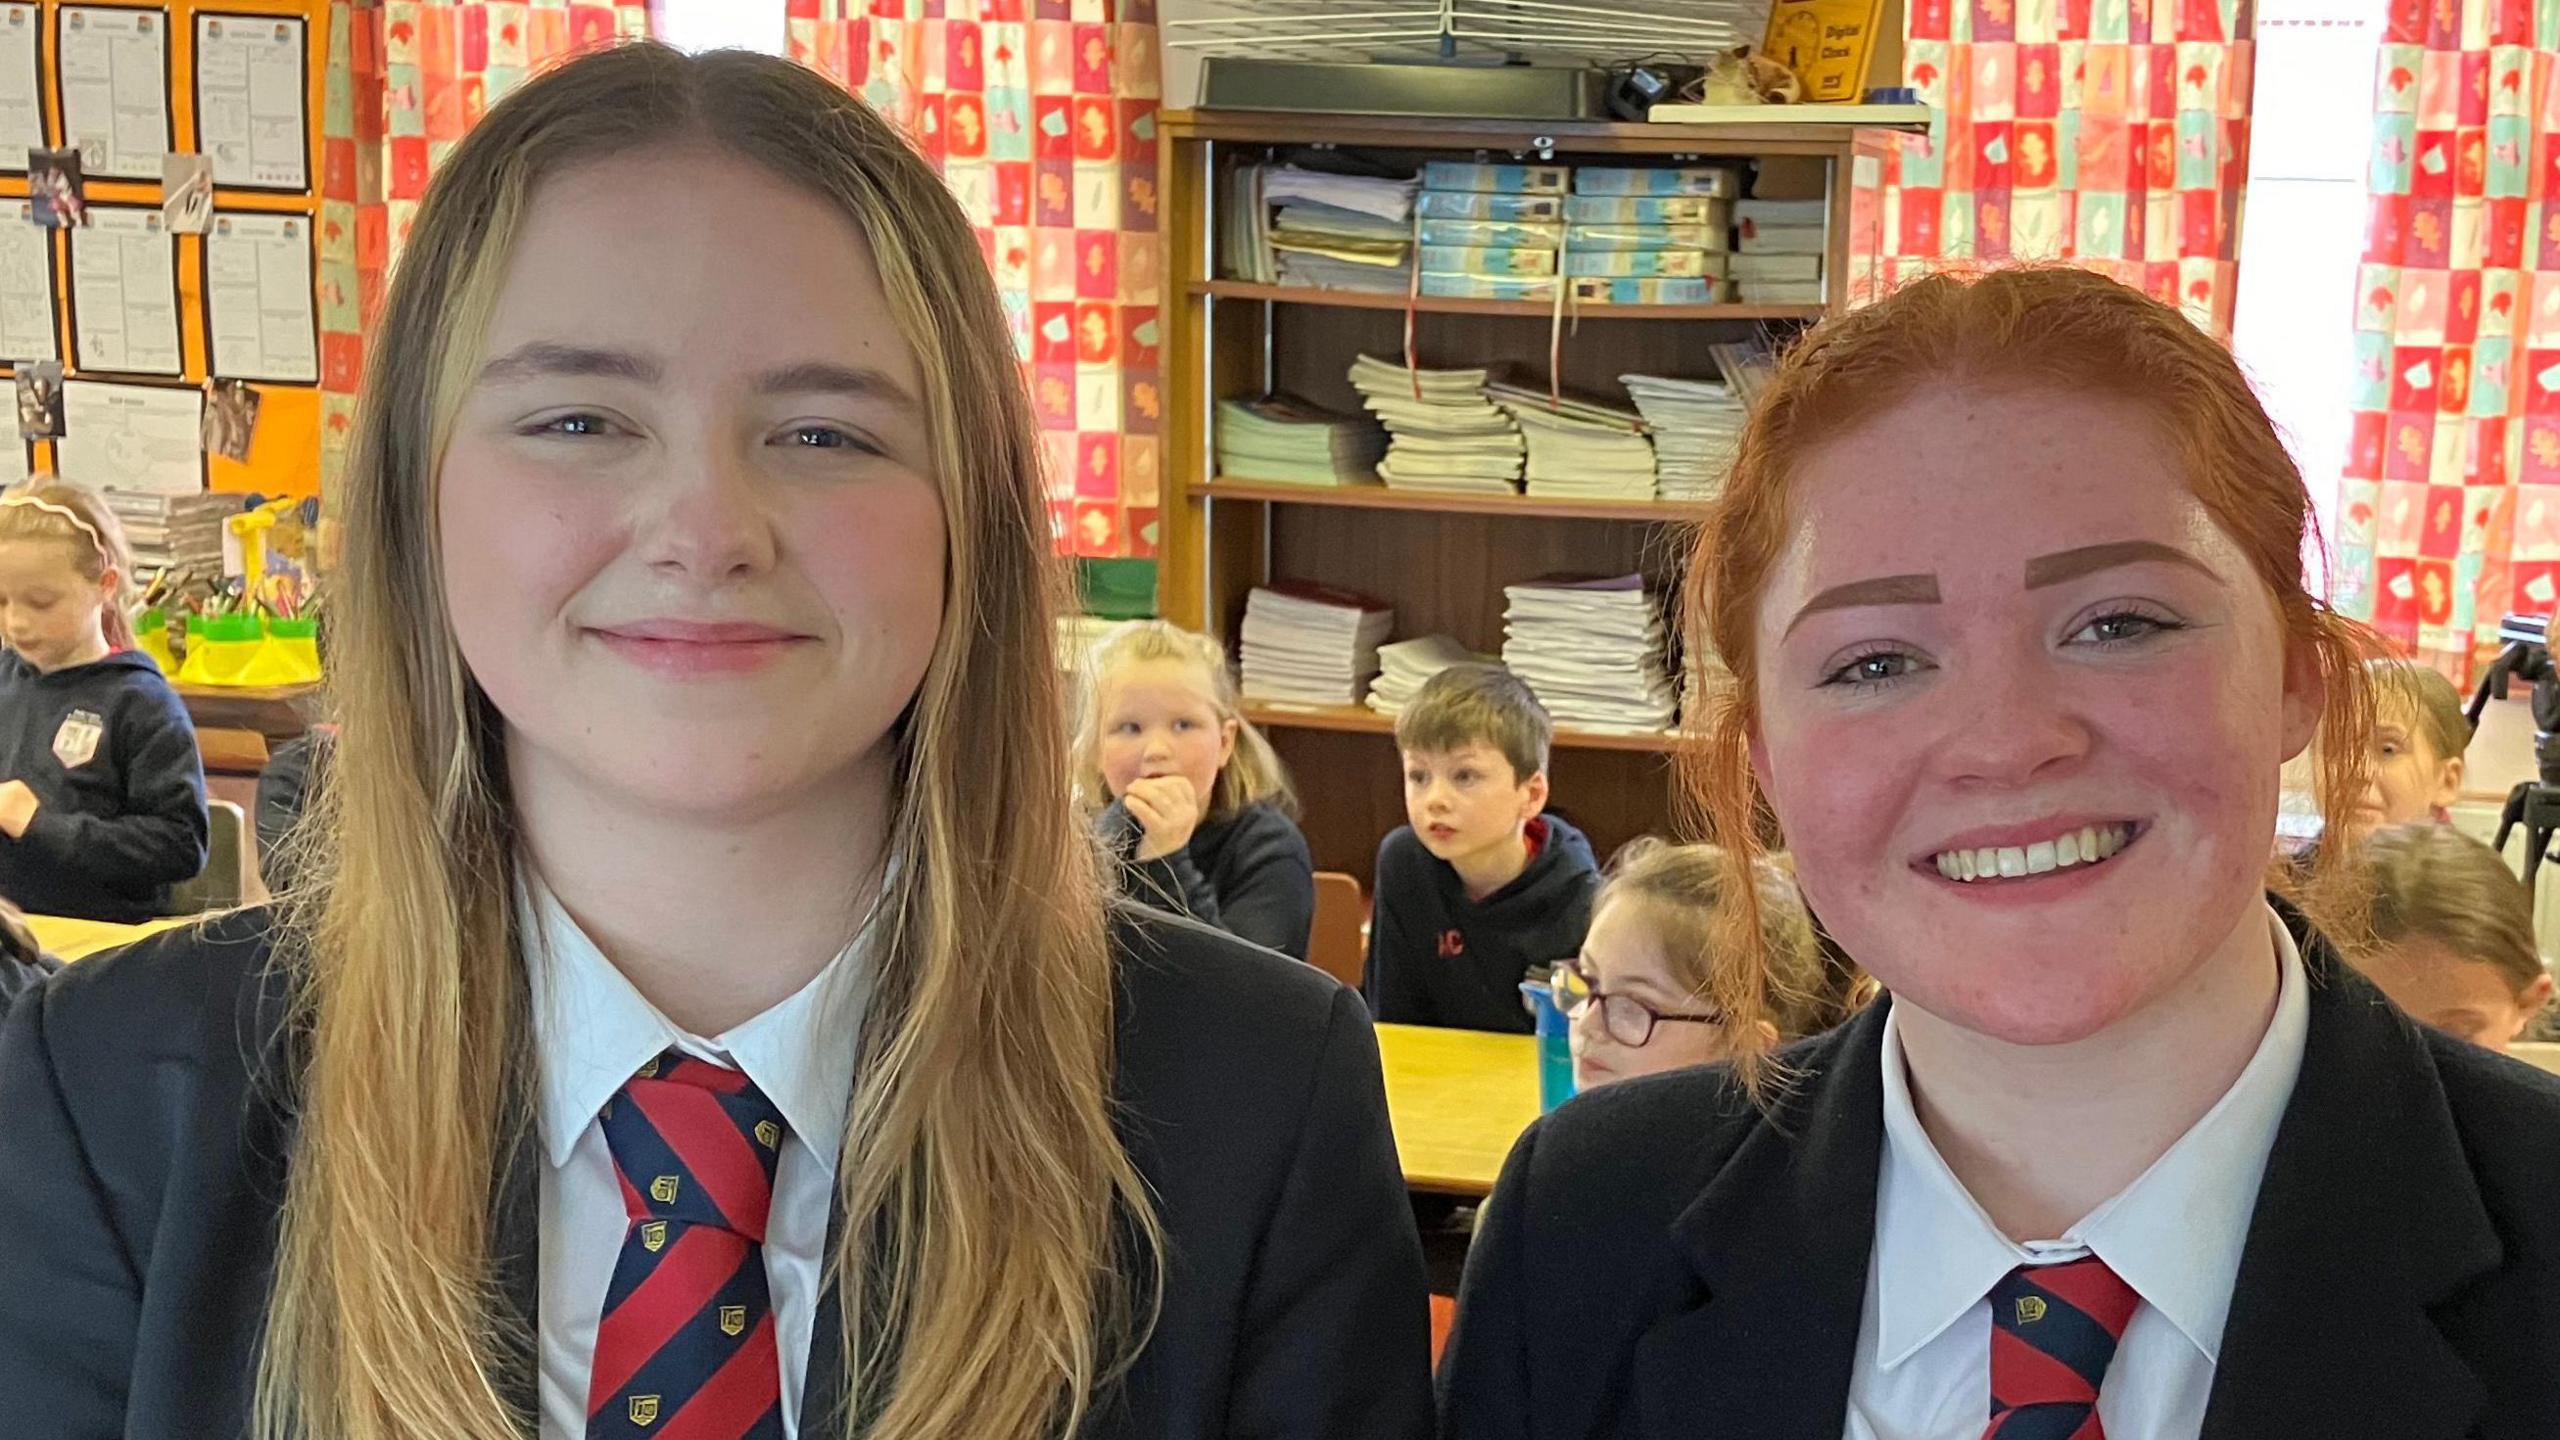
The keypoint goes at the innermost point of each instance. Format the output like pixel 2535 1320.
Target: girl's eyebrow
pixel 541 358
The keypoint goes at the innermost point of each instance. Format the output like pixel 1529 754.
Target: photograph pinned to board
pixel 258 284
pixel 114 67
pixel 252 79
pixel 124 292
pixel 133 437
pixel 39 399
pixel 230 419
pixel 21 79
pixel 54 187
pixel 186 192
pixel 27 316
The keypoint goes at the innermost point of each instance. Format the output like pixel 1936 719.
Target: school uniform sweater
pixel 111 755
pixel 1248 873
pixel 1439 958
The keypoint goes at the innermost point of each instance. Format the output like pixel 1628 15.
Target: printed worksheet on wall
pixel 27 322
pixel 115 89
pixel 133 437
pixel 257 298
pixel 124 293
pixel 21 85
pixel 251 71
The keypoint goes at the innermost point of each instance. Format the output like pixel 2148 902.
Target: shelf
pixel 1380 497
pixel 1360 719
pixel 1534 309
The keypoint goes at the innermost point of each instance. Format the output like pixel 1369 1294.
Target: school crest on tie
pixel 644 1409
pixel 663 1189
pixel 2030 1309
pixel 76 743
pixel 733 1319
pixel 768 1134
pixel 653 1236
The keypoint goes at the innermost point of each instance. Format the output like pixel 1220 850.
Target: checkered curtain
pixel 2108 133
pixel 2449 514
pixel 1042 116
pixel 405 79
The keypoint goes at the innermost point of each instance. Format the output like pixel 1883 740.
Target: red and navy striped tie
pixel 686 1349
pixel 2054 1330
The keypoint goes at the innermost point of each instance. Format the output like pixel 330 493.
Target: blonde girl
pixel 1192 802
pixel 2419 735
pixel 707 1018
pixel 1639 993
pixel 101 789
pixel 2452 936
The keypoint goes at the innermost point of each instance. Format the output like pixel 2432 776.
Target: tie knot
pixel 695 1143
pixel 2055 1332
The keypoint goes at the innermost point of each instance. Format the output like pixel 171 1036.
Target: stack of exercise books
pixel 1406 664
pixel 1305 645
pixel 1491 232
pixel 1747 366
pixel 1290 441
pixel 1579 449
pixel 1338 232
pixel 1611 236
pixel 1443 435
pixel 1593 651
pixel 172 531
pixel 1778 250
pixel 1695 425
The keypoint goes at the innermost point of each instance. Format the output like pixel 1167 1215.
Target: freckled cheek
pixel 1836 785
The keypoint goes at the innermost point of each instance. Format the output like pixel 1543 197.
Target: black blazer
pixel 1661 1260
pixel 143 1150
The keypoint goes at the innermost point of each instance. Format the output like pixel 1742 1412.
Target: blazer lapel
pixel 515 1239
pixel 2368 1215
pixel 1781 1239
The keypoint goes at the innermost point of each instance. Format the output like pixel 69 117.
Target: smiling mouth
pixel 2087 846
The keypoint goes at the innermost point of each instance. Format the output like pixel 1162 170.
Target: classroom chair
pixel 1336 945
pixel 226 871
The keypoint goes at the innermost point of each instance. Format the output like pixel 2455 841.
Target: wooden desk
pixel 277 712
pixel 69 939
pixel 1458 1099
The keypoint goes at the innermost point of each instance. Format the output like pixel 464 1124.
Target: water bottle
pixel 1555 1045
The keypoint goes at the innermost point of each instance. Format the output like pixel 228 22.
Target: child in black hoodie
pixel 1482 887
pixel 1193 804
pixel 101 789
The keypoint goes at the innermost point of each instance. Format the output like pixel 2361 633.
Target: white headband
pixel 24 497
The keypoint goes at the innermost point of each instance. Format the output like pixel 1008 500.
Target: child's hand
pixel 1167 809
pixel 18 808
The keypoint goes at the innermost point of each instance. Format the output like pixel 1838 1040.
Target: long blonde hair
pixel 1253 775
pixel 999 1252
pixel 2054 326
pixel 46 509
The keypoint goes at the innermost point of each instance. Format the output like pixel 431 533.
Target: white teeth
pixel 2086 846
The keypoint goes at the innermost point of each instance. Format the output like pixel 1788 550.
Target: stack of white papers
pixel 1310 646
pixel 1578 450
pixel 1338 232
pixel 1281 438
pixel 1443 434
pixel 1405 665
pixel 1385 197
pixel 1593 651
pixel 1778 251
pixel 1696 426
pixel 1244 228
pixel 1747 366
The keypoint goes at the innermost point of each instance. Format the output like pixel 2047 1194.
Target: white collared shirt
pixel 593 1032
pixel 2175 1235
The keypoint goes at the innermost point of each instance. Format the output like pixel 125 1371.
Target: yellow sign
pixel 653 1236
pixel 663 1189
pixel 644 1409
pixel 2030 1309
pixel 1828 44
pixel 733 1319
pixel 768 1134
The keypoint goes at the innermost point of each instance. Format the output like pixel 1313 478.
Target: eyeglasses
pixel 1628 1020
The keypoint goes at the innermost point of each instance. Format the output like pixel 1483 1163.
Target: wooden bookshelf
pixel 1361 720
pixel 1380 497
pixel 1453 305
pixel 1441 560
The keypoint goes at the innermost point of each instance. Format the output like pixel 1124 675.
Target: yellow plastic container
pixel 290 655
pixel 221 650
pixel 151 637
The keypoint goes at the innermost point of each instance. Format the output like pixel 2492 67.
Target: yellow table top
pixel 70 939
pixel 1458 1099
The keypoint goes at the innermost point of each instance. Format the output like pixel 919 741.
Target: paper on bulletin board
pixel 17 463
pixel 115 89
pixel 251 74
pixel 133 437
pixel 21 84
pixel 1830 45
pixel 27 330
pixel 124 293
pixel 258 298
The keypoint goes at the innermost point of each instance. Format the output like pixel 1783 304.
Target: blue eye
pixel 571 426
pixel 2121 628
pixel 1873 669
pixel 827 437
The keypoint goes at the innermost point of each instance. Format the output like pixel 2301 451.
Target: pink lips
pixel 694 647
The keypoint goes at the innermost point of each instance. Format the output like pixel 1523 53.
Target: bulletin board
pixel 284 451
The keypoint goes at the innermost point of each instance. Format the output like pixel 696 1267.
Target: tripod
pixel 2534 804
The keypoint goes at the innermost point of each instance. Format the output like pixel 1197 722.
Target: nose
pixel 2012 722
pixel 714 525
